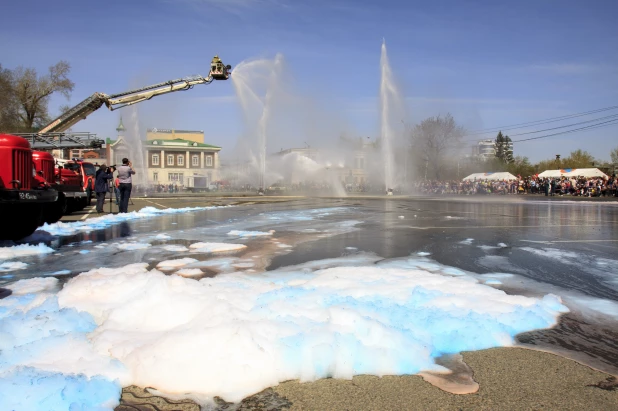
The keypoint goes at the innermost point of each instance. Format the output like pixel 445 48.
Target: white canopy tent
pixel 500 176
pixel 573 172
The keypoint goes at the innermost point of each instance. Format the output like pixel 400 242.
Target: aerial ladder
pixel 54 135
pixel 218 71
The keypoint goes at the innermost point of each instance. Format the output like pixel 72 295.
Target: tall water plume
pixel 392 115
pixel 136 152
pixel 256 84
pixel 277 117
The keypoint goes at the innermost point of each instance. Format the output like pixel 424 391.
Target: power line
pixel 590 127
pixel 538 122
pixel 568 125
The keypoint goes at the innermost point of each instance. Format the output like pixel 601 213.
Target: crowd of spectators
pixel 560 186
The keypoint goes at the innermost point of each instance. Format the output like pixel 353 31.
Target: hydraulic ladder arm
pixel 218 71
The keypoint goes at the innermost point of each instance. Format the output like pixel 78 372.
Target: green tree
pixel 33 92
pixel 499 145
pixel 434 140
pixel 508 150
pixel 579 159
pixel 521 166
pixel 504 148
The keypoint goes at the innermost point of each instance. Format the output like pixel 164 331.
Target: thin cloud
pixel 566 68
pixel 480 101
pixel 215 99
pixel 230 6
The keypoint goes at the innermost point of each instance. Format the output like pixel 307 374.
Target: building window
pixel 155 176
pixel 175 178
pixel 155 159
pixel 170 160
pixel 195 161
pixel 181 160
pixel 208 161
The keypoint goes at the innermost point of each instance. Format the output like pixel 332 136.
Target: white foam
pixel 33 285
pixel 132 246
pixel 61 272
pixel 24 250
pixel 272 321
pixel 467 241
pixel 179 262
pixel 189 272
pixel 243 265
pixel 423 254
pixel 334 318
pixel 488 247
pixel 552 253
pixel 175 248
pixel 216 247
pixel 98 223
pixel 162 237
pixel 216 264
pixel 12 266
pixel 239 233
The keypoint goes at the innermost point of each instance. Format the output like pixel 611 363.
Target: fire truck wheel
pixel 81 204
pixel 55 212
pixel 25 218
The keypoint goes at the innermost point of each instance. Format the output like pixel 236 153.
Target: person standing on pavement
pixel 101 184
pixel 117 191
pixel 125 171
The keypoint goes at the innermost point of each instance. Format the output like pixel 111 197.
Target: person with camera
pixel 101 184
pixel 125 171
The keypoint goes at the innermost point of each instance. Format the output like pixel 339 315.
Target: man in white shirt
pixel 125 171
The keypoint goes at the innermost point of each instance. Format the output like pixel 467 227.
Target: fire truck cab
pixel 86 171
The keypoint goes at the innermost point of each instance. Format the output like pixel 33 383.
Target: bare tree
pixel 614 155
pixel 9 120
pixel 33 92
pixel 433 140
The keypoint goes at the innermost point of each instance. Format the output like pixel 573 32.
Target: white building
pixel 485 149
pixel 170 156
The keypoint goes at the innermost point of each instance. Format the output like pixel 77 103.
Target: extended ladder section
pixel 53 141
pixel 218 71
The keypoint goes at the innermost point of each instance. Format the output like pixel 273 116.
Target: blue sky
pixel 489 63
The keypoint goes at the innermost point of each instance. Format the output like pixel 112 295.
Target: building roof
pixel 171 131
pixel 178 142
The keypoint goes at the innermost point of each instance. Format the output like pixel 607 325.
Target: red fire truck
pixel 30 196
pixel 23 196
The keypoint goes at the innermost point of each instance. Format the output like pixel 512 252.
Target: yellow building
pixel 169 134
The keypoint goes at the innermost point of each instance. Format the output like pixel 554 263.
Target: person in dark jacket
pixel 101 184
